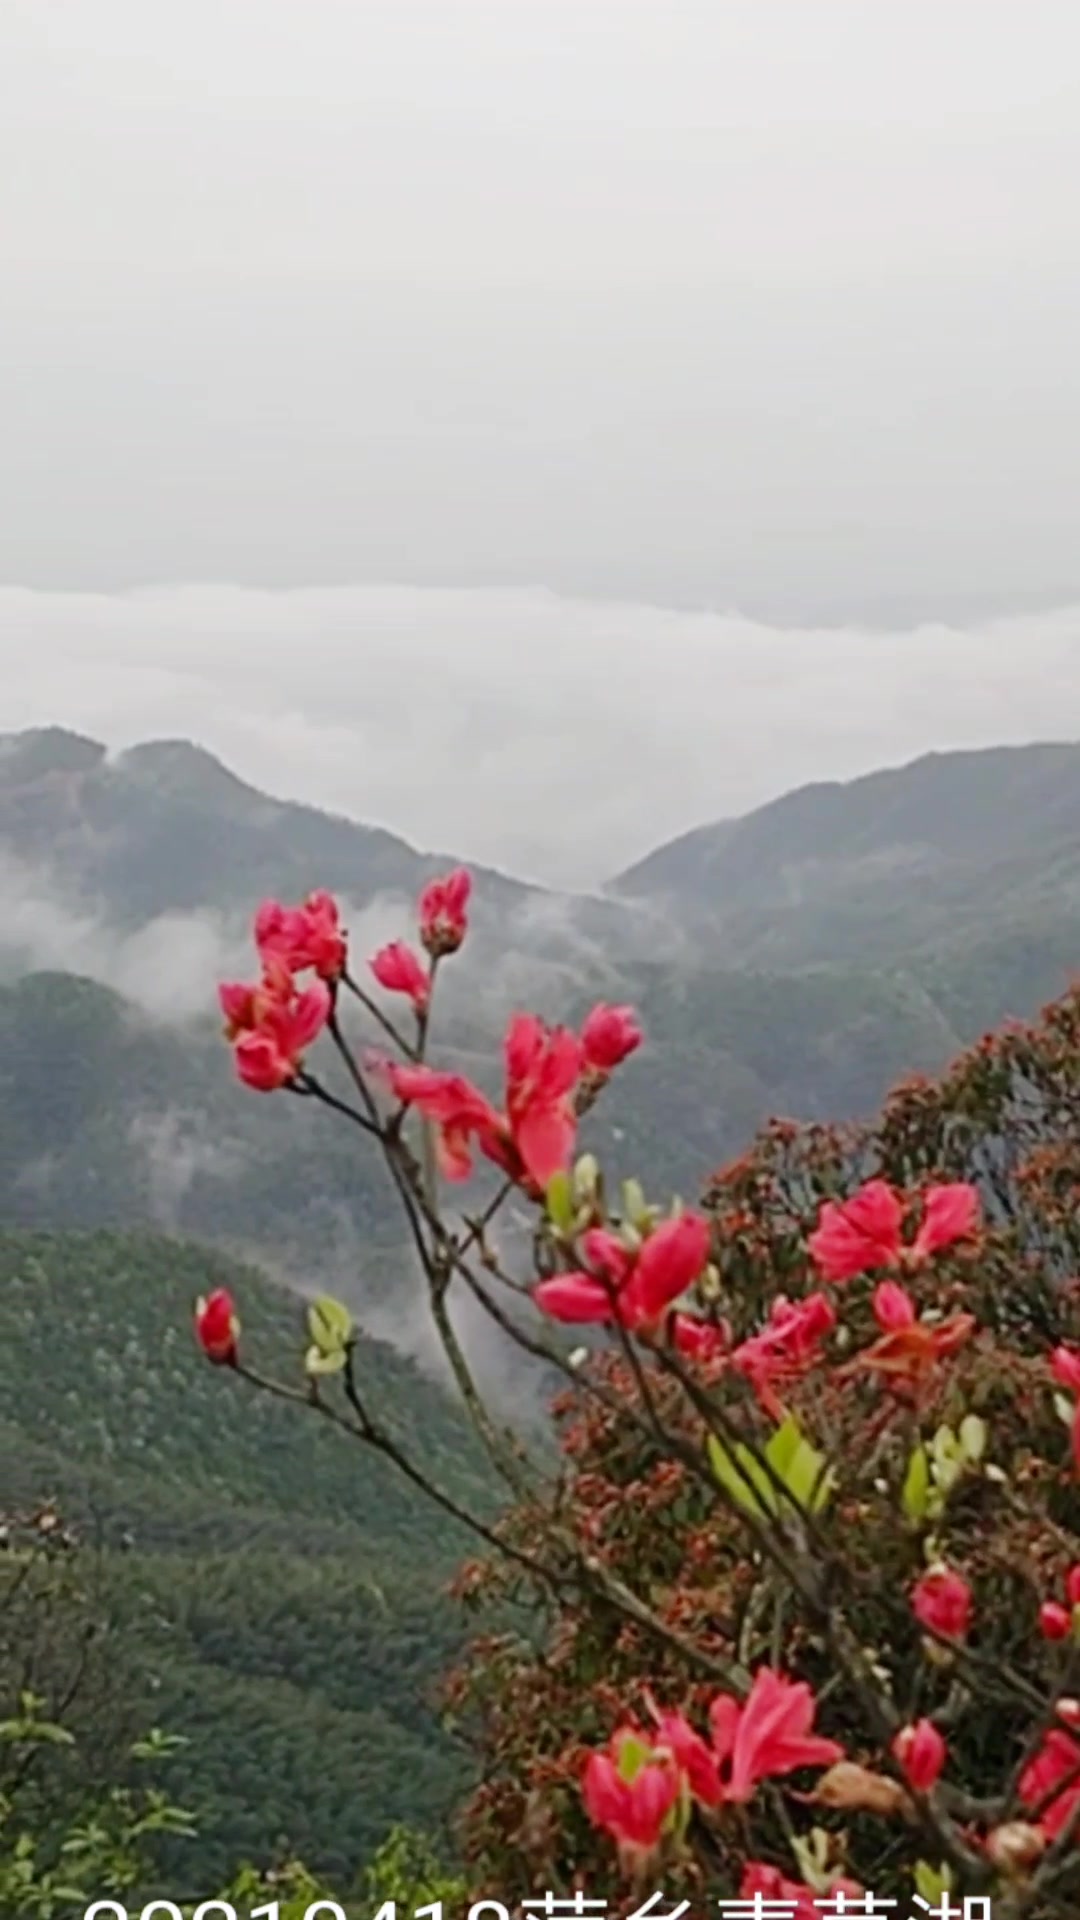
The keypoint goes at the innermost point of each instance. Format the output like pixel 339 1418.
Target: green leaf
pixel 915 1496
pixel 330 1325
pixel 931 1883
pixel 1064 1409
pixel 783 1447
pixel 739 1475
pixel 632 1757
pixel 801 1470
pixel 804 1471
pixel 317 1362
pixel 560 1202
pixel 974 1434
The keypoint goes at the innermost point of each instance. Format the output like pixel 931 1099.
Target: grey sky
pixel 760 303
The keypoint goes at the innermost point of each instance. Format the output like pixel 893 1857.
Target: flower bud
pixel 1055 1621
pixel 1015 1847
pixel 921 1752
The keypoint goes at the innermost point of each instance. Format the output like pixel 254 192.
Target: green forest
pixel 268 1591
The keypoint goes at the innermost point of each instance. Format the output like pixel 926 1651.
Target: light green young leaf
pixel 586 1177
pixel 802 1469
pixel 560 1203
pixel 632 1757
pixel 635 1207
pixel 330 1325
pixel 798 1467
pixel 931 1883
pixel 317 1362
pixel 740 1476
pixel 947 1459
pixel 812 1859
pixel 974 1434
pixel 914 1497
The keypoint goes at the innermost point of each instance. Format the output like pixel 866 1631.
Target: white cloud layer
pixel 557 738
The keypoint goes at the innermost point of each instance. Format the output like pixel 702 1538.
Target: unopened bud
pixel 1015 1847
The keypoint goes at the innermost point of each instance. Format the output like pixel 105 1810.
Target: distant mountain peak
pixel 183 767
pixel 37 752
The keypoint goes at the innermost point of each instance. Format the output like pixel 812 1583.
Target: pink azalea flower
pixel 855 1234
pixel 534 1138
pixel 950 1213
pixel 866 1232
pixel 634 1289
pixel 909 1349
pixel 397 968
pixel 270 1055
pixel 542 1069
pixel 699 1339
pixel 671 1259
pixel 306 936
pixel 893 1306
pixel 792 1898
pixel 635 1811
pixel 576 1299
pixel 770 1734
pixel 942 1601
pixel 608 1036
pixel 787 1346
pixel 459 1110
pixel 692 1755
pixel 443 912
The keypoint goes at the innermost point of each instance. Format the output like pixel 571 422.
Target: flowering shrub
pixel 811 1567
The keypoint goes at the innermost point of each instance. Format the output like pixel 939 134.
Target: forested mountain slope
pixel 275 1590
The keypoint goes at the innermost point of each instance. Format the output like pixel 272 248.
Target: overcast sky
pixel 762 303
pixel 659 404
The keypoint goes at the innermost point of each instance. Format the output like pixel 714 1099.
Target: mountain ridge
pixel 821 801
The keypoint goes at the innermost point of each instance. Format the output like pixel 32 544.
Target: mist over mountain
pixel 796 960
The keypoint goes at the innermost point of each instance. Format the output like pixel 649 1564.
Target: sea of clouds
pixel 557 738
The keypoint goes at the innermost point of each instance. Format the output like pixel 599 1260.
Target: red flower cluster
pixel 443 920
pixel 635 1290
pixel 532 1138
pixel 631 1790
pixel 272 1023
pixel 301 937
pixel 866 1232
pixel 1051 1780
